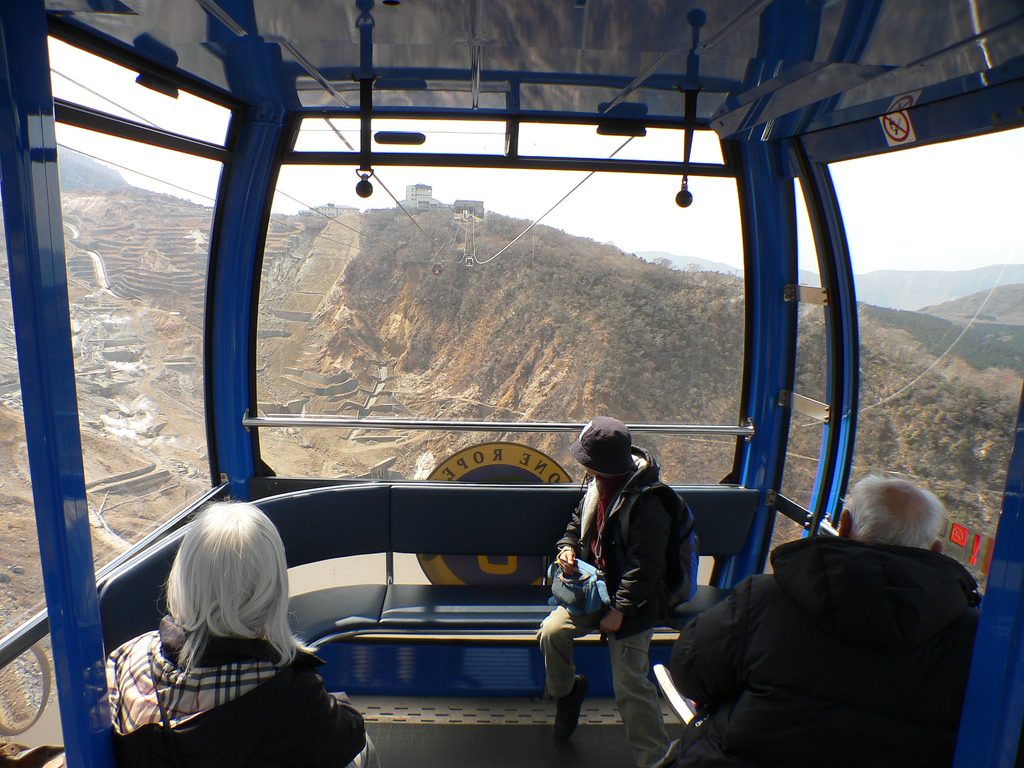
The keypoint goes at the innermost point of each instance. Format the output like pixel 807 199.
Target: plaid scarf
pixel 138 672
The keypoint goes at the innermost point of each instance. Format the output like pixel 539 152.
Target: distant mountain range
pixel 78 171
pixel 924 290
pixel 1003 305
pixel 682 262
pixel 895 289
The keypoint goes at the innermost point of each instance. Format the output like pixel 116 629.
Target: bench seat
pixel 705 597
pixel 440 518
pixel 437 607
pixel 336 611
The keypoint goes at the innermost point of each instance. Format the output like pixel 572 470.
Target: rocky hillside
pixel 555 330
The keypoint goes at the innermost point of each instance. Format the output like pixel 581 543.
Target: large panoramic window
pixel 137 223
pixel 497 296
pixel 137 264
pixel 938 265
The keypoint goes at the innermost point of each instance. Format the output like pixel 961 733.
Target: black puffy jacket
pixel 850 654
pixel 634 569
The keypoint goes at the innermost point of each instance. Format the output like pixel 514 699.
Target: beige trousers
pixel 636 697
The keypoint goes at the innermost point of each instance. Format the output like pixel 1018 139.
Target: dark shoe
pixel 567 710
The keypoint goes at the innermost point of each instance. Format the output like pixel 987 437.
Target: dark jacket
pixel 850 654
pixel 634 569
pixel 289 720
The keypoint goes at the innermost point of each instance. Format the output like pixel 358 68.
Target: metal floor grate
pixel 498 746
pixel 482 711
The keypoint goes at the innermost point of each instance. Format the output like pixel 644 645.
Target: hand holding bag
pixel 584 592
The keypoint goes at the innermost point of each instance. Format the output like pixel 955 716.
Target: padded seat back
pixel 464 519
pixel 133 599
pixel 324 523
pixel 722 516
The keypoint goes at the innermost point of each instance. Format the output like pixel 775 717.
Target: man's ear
pixel 845 524
pixel 936 546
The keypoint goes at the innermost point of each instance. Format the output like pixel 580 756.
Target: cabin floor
pixel 495 733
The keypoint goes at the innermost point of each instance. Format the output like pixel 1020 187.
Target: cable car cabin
pixel 373 265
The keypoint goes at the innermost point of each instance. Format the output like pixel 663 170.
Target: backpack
pixel 681 557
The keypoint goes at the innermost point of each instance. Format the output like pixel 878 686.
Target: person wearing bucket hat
pixel 633 571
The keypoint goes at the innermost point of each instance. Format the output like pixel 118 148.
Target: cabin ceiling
pixel 760 68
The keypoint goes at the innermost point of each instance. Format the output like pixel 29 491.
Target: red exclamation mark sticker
pixel 974 549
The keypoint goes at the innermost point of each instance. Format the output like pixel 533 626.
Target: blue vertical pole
pixel 769 233
pixel 231 293
pixel 42 325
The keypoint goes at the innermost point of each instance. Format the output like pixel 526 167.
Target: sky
pixel 952 206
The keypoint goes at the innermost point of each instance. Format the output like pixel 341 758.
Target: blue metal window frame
pixel 769 236
pixel 843 355
pixel 35 243
pixel 232 294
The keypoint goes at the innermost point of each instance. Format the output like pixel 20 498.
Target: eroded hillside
pixel 554 330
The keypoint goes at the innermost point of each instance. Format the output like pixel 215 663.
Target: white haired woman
pixel 224 682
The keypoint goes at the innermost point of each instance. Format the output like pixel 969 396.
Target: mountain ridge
pixel 1003 304
pixel 914 290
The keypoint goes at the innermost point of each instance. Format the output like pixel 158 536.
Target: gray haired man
pixel 854 651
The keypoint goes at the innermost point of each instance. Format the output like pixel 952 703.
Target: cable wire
pixel 549 210
pixel 105 98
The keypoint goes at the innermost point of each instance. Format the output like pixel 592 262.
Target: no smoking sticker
pixel 896 123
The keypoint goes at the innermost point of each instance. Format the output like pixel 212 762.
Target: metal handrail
pixel 23 638
pixel 317 421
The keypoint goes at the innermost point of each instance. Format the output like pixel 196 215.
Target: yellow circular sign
pixel 492 463
pixel 500 463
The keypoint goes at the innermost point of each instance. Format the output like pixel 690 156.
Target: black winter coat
pixel 634 570
pixel 289 720
pixel 850 654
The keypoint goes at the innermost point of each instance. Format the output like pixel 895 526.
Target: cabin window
pixel 456 309
pixel 935 247
pixel 558 98
pixel 81 78
pixel 137 223
pixel 340 134
pixel 545 140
